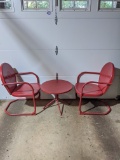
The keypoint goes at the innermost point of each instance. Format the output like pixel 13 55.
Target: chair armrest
pixel 97 83
pixel 5 84
pixel 26 73
pixel 82 73
pixel 93 82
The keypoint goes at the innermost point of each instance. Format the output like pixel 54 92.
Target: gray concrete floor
pixel 48 136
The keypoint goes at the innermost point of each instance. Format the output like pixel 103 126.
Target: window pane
pixel 31 5
pixel 81 4
pixel 67 4
pixel 36 4
pixel 74 4
pixel 5 5
pixel 42 4
pixel 106 4
pixel 109 4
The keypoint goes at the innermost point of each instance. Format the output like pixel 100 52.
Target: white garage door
pixel 85 39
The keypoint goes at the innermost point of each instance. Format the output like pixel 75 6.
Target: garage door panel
pixel 27 34
pixel 42 62
pixel 72 62
pixel 88 34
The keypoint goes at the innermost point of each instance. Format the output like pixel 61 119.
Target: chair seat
pixel 25 90
pixel 89 90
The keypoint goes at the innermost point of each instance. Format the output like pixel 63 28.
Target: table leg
pixel 59 107
pixel 56 99
pixel 49 104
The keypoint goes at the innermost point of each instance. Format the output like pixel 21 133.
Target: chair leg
pixel 38 95
pixel 94 113
pixel 46 106
pixel 80 103
pixel 34 102
pixel 21 114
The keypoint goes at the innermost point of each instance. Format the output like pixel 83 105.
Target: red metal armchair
pixel 19 89
pixel 95 89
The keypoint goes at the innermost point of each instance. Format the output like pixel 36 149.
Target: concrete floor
pixel 48 136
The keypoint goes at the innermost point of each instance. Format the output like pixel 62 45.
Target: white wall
pixel 85 40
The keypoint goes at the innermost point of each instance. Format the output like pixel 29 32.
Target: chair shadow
pixel 94 103
pixel 98 104
pixel 40 103
pixel 43 102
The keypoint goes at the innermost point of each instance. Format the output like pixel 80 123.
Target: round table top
pixel 56 86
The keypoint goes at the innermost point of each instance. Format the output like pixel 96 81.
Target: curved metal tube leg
pixel 34 102
pixel 21 114
pixel 94 113
pixel 80 102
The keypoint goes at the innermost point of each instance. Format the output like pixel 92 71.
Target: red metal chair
pixel 19 89
pixel 95 89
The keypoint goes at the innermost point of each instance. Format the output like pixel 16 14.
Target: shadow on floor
pixel 88 104
pixel 104 128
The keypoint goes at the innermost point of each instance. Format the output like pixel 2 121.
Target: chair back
pixel 106 76
pixel 8 76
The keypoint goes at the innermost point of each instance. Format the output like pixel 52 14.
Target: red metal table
pixel 56 87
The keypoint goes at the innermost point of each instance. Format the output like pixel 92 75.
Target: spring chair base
pixel 95 113
pixel 22 114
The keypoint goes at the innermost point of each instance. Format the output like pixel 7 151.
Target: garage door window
pixel 75 5
pixel 109 5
